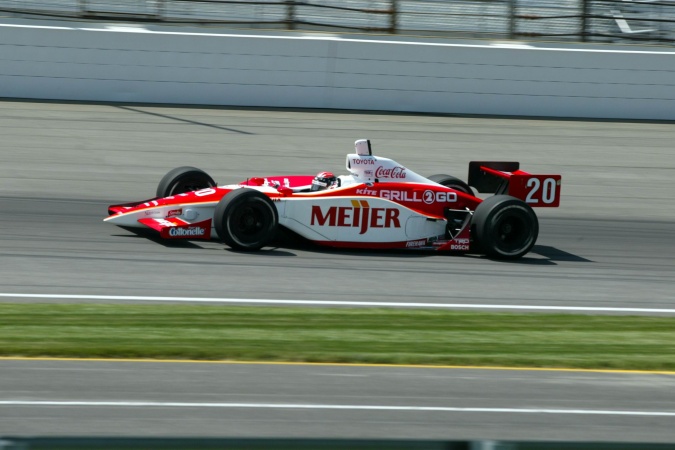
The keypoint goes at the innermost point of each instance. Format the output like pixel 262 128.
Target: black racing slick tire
pixel 451 182
pixel 246 219
pixel 505 227
pixel 184 179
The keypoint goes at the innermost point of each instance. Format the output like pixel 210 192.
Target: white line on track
pixel 246 301
pixel 150 404
pixel 136 29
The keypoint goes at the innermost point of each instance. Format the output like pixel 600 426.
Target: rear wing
pixel 501 177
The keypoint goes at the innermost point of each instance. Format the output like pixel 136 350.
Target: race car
pixel 378 204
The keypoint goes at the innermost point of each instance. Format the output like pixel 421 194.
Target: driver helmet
pixel 323 181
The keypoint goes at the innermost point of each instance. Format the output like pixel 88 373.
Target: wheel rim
pixel 511 233
pixel 248 223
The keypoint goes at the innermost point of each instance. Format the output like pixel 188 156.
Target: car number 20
pixel 542 190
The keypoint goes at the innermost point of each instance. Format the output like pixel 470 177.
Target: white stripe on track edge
pixel 141 404
pixel 127 29
pixel 331 303
pixel 243 301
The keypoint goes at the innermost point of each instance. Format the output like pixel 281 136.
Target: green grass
pixel 337 335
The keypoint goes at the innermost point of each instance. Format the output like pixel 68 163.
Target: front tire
pixel 505 227
pixel 246 219
pixel 184 179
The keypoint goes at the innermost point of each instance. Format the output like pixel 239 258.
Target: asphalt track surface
pixel 609 246
pixel 276 400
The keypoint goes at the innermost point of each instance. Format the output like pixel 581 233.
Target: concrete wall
pixel 83 61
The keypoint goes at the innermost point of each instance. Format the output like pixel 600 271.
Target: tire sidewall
pixel 169 183
pixel 451 182
pixel 491 214
pixel 231 205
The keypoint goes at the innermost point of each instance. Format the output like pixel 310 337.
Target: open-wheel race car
pixel 379 204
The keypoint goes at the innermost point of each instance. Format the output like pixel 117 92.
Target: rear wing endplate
pixel 505 177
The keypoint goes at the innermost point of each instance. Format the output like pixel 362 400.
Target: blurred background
pixel 646 21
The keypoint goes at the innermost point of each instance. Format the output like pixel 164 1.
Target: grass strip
pixel 385 336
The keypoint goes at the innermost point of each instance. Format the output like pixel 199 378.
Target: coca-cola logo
pixel 393 172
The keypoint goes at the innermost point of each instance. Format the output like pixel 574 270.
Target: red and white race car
pixel 380 204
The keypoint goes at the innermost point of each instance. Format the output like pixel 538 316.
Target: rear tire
pixel 505 227
pixel 184 179
pixel 452 182
pixel 246 219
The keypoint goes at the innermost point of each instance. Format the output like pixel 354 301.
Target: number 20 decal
pixel 205 192
pixel 548 188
